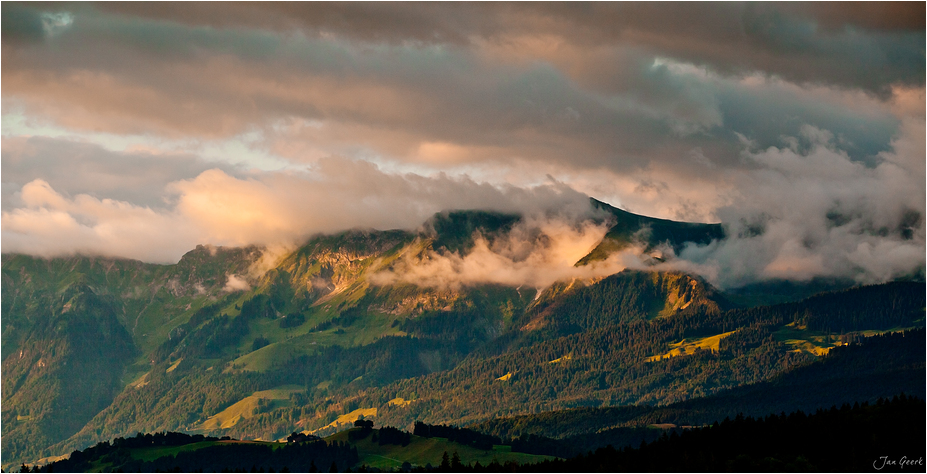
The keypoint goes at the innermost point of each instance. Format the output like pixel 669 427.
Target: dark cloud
pixel 394 22
pixel 859 44
pixel 768 115
pixel 880 16
pixel 20 24
pixel 616 107
pixel 799 50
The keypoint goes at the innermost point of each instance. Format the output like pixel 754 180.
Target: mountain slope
pixel 612 365
pixel 67 368
pixel 875 367
pixel 322 326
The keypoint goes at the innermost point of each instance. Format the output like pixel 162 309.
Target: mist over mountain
pixel 550 242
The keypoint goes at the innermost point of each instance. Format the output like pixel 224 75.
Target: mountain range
pixel 433 325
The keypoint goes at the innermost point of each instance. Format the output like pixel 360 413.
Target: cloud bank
pixel 810 211
pixel 270 209
pixel 143 129
pixel 537 252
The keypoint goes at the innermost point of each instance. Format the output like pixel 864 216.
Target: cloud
pixel 236 283
pixel 537 252
pixel 814 212
pixel 277 209
pixel 71 167
pixel 50 224
pixel 272 255
pixel 803 211
pixel 798 126
pixel 21 24
pixel 589 85
pixel 337 194
pixel 872 46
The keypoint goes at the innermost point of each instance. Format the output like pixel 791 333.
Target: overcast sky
pixel 142 129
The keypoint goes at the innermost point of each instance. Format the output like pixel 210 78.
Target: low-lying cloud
pixel 536 253
pixel 805 210
pixel 236 283
pixel 276 209
pixel 810 211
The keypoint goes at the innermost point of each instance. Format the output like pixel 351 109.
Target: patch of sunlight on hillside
pixel 344 294
pixel 140 382
pixel 800 339
pixel 398 401
pixel 561 359
pixel 687 346
pixel 505 377
pixel 174 365
pixel 48 460
pixel 244 409
pixel 798 345
pixel 348 419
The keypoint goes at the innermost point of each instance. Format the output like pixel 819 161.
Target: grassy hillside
pixel 615 364
pixel 257 402
pixel 690 346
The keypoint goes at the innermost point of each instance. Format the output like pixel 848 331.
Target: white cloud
pixel 51 224
pixel 236 283
pixel 278 209
pixel 817 213
pixel 536 253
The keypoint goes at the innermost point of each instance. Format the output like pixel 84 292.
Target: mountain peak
pixel 630 228
pixel 453 230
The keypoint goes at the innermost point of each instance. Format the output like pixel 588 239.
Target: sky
pixel 140 130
